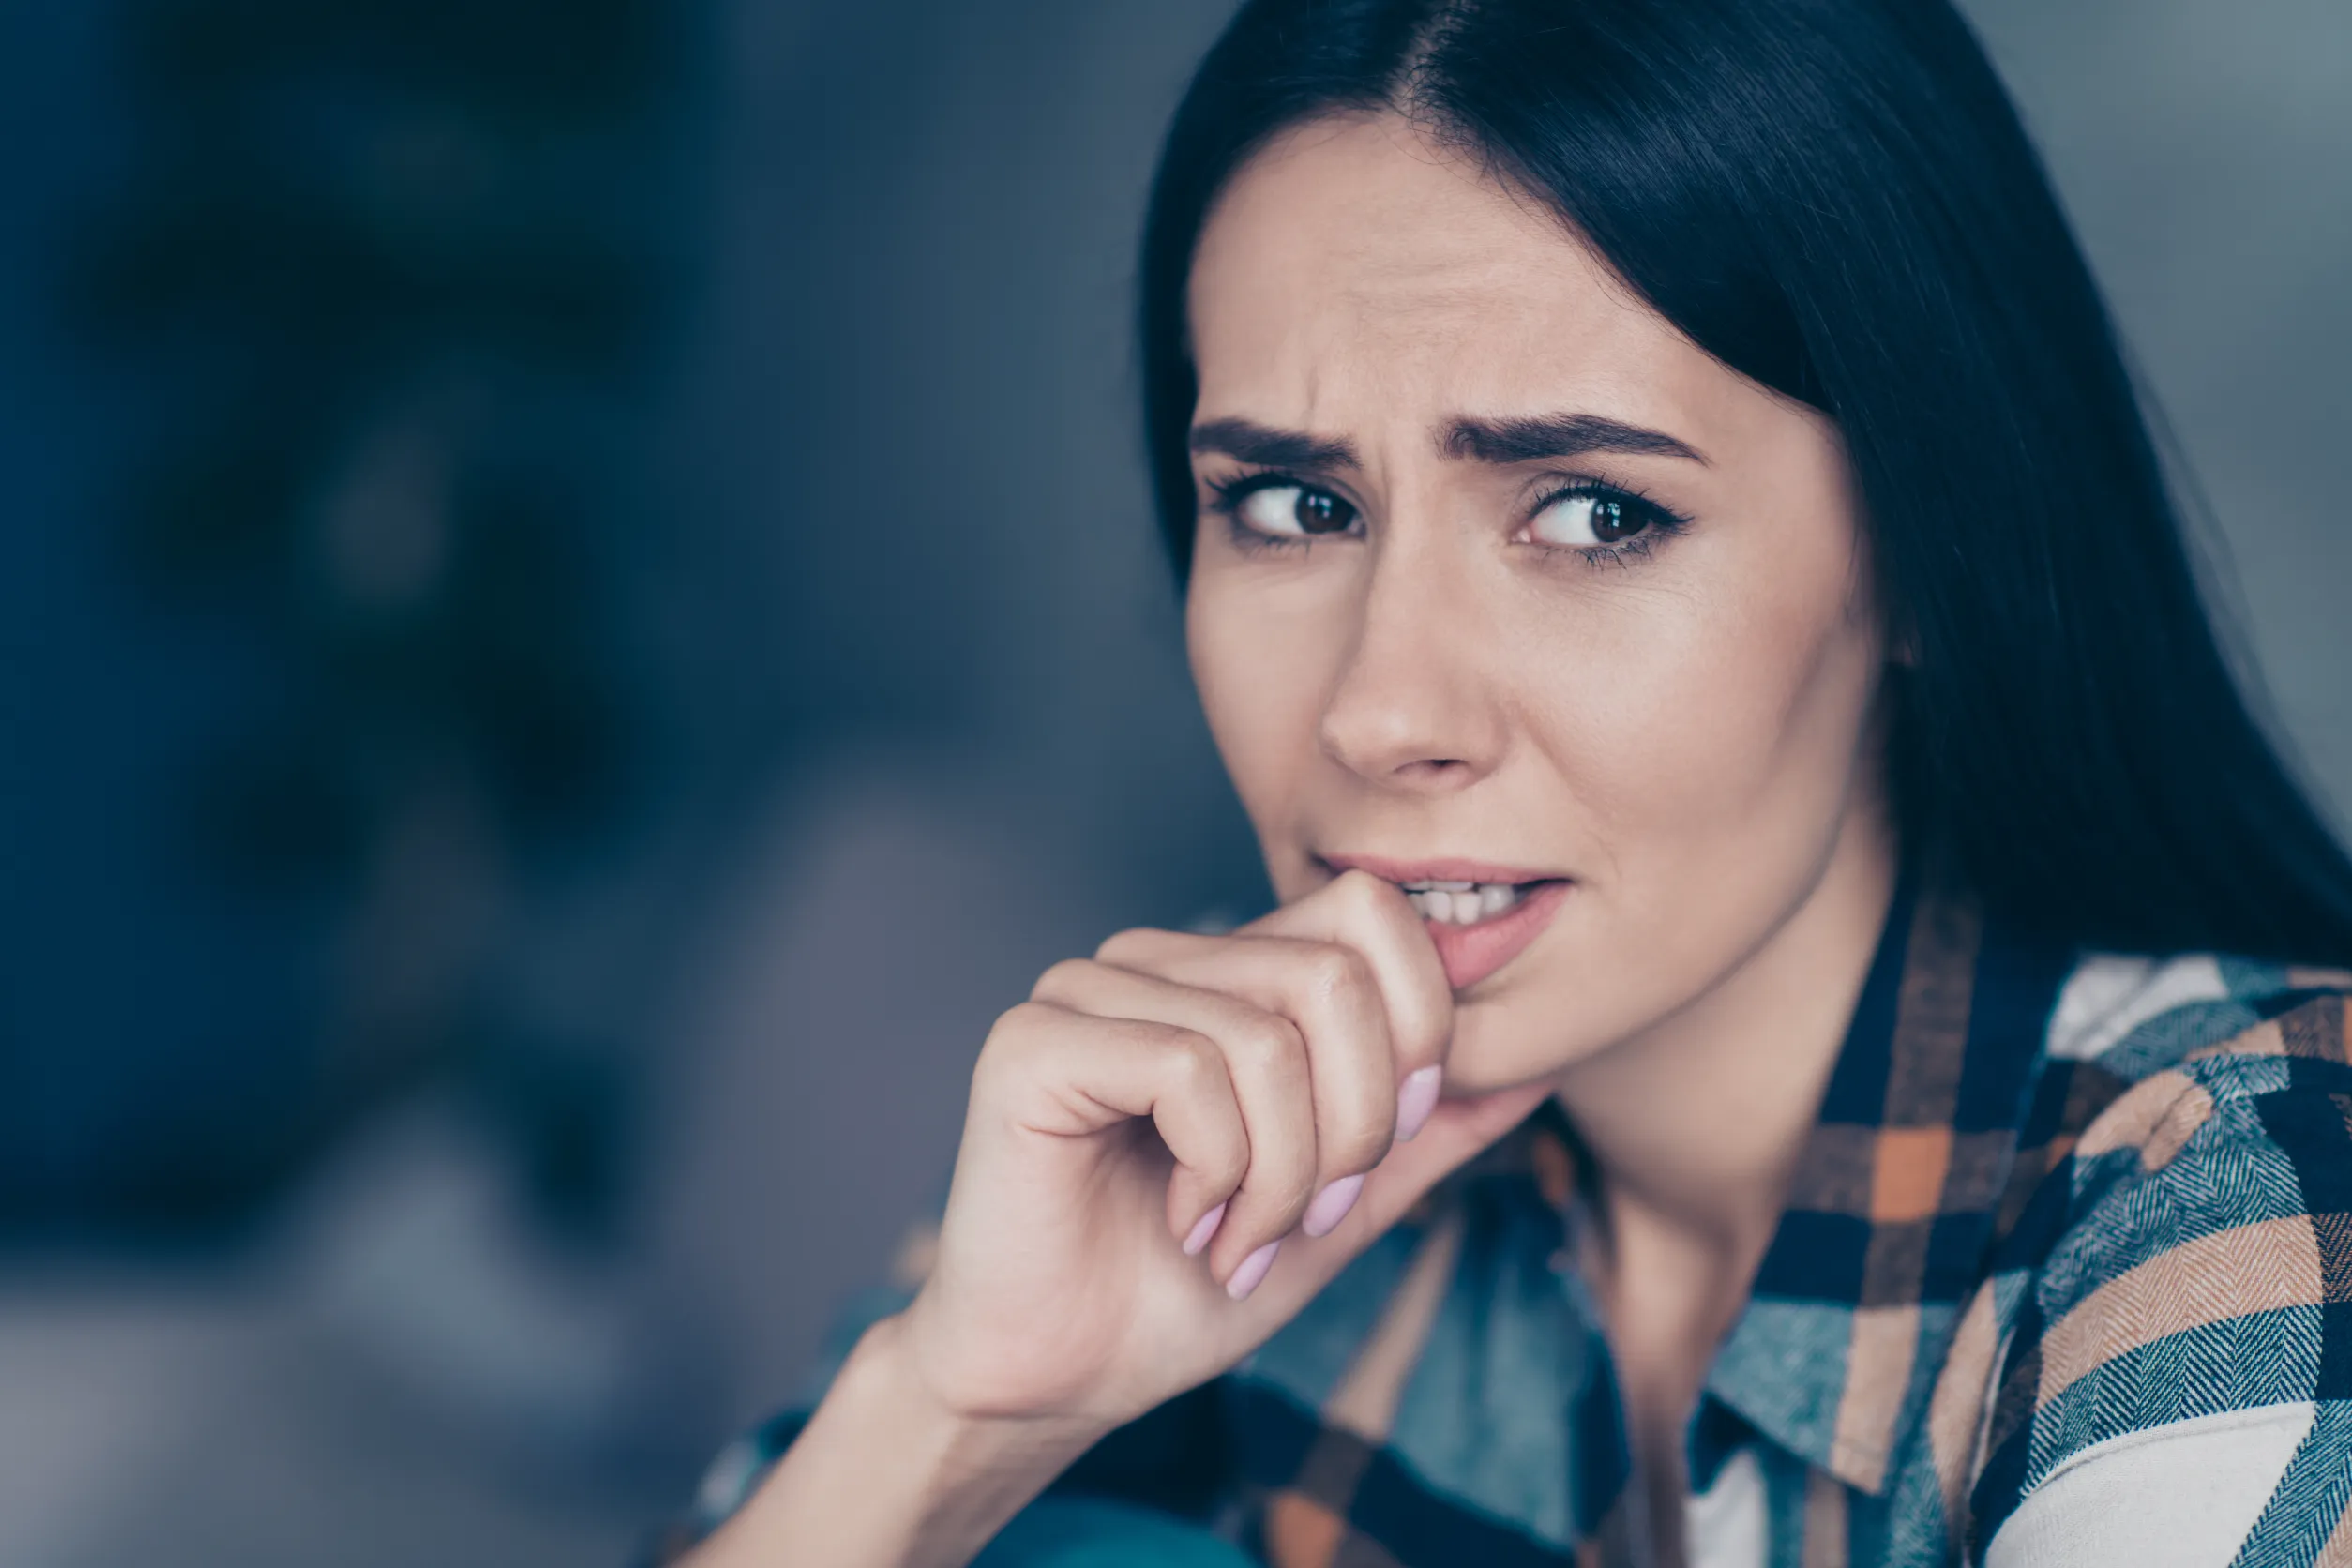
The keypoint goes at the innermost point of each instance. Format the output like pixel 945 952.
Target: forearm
pixel 881 1477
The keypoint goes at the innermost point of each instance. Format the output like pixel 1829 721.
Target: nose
pixel 1410 710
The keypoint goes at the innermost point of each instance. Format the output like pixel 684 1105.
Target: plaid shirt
pixel 2064 1276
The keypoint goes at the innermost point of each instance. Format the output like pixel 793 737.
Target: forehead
pixel 1354 269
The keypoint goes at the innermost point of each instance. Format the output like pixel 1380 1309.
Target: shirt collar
pixel 1889 1222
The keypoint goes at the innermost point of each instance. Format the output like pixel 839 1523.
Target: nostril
pixel 1410 733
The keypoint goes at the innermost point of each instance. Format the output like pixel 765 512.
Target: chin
pixel 1505 1044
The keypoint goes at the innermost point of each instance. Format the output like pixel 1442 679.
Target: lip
pixel 1437 870
pixel 1471 952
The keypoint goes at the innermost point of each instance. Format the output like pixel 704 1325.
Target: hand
pixel 1170 1148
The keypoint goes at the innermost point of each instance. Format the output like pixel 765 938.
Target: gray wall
pixel 2205 153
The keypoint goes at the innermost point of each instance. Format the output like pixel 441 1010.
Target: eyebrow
pixel 1535 437
pixel 1529 438
pixel 1248 441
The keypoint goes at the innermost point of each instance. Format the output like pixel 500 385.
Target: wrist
pixel 887 1473
pixel 962 1442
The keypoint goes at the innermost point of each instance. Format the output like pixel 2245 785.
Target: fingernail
pixel 1253 1269
pixel 1202 1229
pixel 1331 1206
pixel 1417 1098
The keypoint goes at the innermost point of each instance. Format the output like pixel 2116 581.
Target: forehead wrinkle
pixel 1383 284
pixel 1350 305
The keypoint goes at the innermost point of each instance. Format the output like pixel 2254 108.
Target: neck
pixel 1697 1123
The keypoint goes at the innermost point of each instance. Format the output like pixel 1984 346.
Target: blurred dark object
pixel 395 274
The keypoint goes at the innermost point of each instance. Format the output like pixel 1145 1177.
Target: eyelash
pixel 1227 497
pixel 1229 494
pixel 1665 522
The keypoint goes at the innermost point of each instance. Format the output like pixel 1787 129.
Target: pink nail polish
pixel 1253 1269
pixel 1417 1098
pixel 1203 1229
pixel 1331 1206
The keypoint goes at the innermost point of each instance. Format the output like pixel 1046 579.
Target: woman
pixel 1680 583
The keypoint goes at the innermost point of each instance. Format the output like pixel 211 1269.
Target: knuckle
pixel 1196 1074
pixel 1362 890
pixel 1269 1044
pixel 1333 968
pixel 1060 980
pixel 1014 1030
pixel 1361 1144
pixel 1227 1165
pixel 1193 1057
pixel 1017 1021
pixel 1120 944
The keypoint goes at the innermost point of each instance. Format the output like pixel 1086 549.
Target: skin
pixel 1683 728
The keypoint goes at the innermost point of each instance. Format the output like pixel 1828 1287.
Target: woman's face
pixel 1501 580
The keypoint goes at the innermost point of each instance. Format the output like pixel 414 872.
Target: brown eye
pixel 1319 512
pixel 1610 524
pixel 1294 511
pixel 1589 519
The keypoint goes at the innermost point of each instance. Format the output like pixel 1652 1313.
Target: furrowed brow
pixel 1536 437
pixel 1248 441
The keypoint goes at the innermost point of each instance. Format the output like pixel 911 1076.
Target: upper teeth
pixel 1461 903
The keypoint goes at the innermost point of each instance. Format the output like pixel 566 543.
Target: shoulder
pixel 2221 1096
pixel 2184 1341
pixel 2189 1055
pixel 2134 1016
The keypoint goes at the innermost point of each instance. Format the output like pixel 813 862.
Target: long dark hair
pixel 1835 198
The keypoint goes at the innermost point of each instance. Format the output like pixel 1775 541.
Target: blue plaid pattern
pixel 2065 1220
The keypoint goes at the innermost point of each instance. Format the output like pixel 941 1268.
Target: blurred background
pixel 579 616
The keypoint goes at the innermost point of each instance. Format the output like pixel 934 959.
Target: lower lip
pixel 1471 952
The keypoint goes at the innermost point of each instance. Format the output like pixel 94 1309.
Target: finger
pixel 1360 911
pixel 1048 1070
pixel 1357 910
pixel 1329 992
pixel 1267 1060
pixel 1458 1132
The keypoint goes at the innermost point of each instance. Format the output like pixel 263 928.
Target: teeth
pixel 1460 903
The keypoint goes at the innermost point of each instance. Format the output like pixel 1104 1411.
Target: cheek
pixel 1705 749
pixel 1709 715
